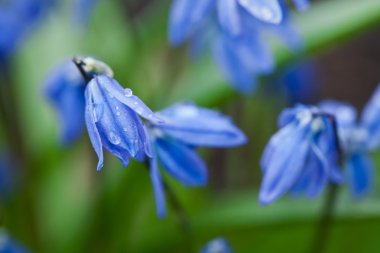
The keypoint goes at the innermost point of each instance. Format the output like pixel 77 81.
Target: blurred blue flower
pixel 17 18
pixel 8 245
pixel 233 29
pixel 174 142
pixel 64 89
pixel 302 156
pixel 83 10
pixel 217 245
pixel 112 120
pixel 358 139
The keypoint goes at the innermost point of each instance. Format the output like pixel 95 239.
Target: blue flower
pixel 174 143
pixel 112 117
pixel 64 89
pixel 358 139
pixel 17 17
pixel 217 245
pixel 8 245
pixel 302 156
pixel 233 29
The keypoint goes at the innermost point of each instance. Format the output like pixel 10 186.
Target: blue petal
pixel 125 96
pixel 361 174
pixel 301 5
pixel 265 10
pixel 371 119
pixel 65 90
pixel 239 75
pixel 313 179
pixel 158 188
pixel 92 129
pixel 285 164
pixel 228 16
pixel 345 114
pixel 328 151
pixel 120 128
pixel 181 161
pixel 200 127
pixel 186 16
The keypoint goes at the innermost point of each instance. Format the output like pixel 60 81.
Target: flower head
pixel 174 143
pixel 302 156
pixel 112 120
pixel 233 29
pixel 217 245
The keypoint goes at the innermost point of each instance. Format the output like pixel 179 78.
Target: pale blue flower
pixel 303 156
pixel 112 120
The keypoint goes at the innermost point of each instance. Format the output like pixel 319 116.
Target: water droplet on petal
pixel 187 111
pixel 118 113
pixel 113 138
pixel 128 92
pixel 97 112
pixel 125 129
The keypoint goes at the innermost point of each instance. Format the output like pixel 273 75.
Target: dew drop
pixel 125 129
pixel 97 112
pixel 113 138
pixel 128 92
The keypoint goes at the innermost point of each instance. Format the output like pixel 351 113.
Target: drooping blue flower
pixel 17 18
pixel 8 245
pixel 233 30
pixel 174 143
pixel 358 139
pixel 303 156
pixel 112 119
pixel 217 245
pixel 64 89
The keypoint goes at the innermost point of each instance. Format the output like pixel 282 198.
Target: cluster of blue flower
pixel 233 30
pixel 112 116
pixel 306 154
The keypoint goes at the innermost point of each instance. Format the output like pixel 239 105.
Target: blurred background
pixel 52 198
